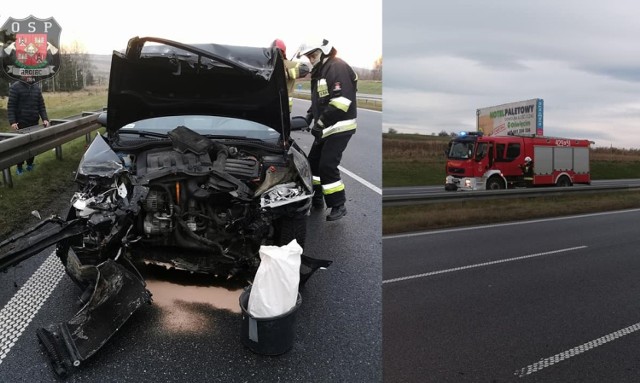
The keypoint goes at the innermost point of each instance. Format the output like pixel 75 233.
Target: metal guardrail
pixel 374 99
pixel 459 196
pixel 29 142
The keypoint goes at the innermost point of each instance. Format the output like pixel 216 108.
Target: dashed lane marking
pixel 16 315
pixel 483 264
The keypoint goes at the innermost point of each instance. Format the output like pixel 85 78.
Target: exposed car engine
pixel 205 207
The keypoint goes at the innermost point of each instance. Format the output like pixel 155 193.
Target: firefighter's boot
pixel 337 212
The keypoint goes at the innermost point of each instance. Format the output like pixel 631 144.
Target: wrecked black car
pixel 196 170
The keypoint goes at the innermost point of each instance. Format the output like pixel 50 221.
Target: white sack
pixel 275 286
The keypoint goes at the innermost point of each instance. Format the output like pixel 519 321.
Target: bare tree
pixel 377 69
pixel 75 65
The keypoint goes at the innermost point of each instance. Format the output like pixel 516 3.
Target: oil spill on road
pixel 188 302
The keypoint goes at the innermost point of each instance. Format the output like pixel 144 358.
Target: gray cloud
pixel 444 59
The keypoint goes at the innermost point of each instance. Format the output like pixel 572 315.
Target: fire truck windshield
pixel 460 150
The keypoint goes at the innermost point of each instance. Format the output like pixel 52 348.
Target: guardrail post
pixel 58 149
pixel 6 178
pixel 88 135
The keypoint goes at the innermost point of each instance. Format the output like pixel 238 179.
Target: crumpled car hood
pixel 210 79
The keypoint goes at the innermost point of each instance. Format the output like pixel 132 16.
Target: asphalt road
pixel 552 300
pixel 432 191
pixel 192 330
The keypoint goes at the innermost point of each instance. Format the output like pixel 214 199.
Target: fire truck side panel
pixel 543 163
pixel 581 161
pixel 562 159
pixel 551 162
pixel 503 157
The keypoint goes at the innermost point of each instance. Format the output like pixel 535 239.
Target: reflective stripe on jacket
pixel 333 96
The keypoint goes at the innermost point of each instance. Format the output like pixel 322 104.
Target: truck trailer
pixel 478 162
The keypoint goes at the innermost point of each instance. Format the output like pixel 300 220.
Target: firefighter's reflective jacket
pixel 333 94
pixel 527 170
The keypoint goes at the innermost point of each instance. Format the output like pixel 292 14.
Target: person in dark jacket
pixel 25 108
pixel 333 113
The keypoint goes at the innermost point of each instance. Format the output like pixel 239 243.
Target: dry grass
pixel 615 155
pixel 64 104
pixel 398 148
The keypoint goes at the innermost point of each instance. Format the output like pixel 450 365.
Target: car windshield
pixel 461 150
pixel 214 126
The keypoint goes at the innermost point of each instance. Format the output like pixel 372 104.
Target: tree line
pixel 75 72
pixel 371 74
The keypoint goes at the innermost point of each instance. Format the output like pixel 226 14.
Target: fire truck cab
pixel 477 162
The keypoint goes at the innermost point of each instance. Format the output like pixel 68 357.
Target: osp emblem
pixel 30 48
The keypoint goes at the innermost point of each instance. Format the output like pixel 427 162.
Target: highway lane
pixel 435 190
pixel 191 331
pixel 553 300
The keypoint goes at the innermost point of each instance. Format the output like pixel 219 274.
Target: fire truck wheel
pixel 495 183
pixel 563 181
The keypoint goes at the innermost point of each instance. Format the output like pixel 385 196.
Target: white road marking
pixel 16 315
pixel 408 235
pixel 483 264
pixel 544 363
pixel 361 180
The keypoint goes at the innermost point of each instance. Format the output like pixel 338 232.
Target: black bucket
pixel 268 336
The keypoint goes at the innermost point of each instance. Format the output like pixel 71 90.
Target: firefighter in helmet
pixel 527 170
pixel 332 116
pixel 293 69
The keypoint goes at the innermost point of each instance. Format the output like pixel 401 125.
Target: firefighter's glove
pixel 303 69
pixel 317 129
pixel 309 119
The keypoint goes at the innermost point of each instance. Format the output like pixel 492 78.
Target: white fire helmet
pixel 324 45
pixel 527 159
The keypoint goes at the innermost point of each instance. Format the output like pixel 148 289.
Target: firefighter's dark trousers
pixel 324 157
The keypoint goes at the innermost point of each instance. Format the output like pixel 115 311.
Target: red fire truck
pixel 477 162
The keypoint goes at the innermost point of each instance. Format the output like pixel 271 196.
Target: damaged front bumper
pixel 117 293
pixel 34 240
pixel 113 291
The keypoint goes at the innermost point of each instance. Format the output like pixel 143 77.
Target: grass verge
pixel 403 219
pixel 48 187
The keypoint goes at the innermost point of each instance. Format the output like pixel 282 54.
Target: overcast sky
pixel 443 59
pixel 354 27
